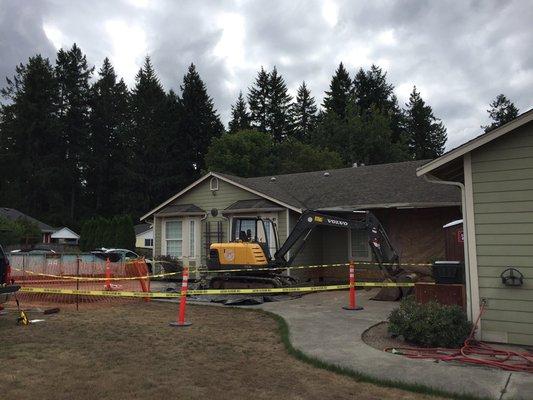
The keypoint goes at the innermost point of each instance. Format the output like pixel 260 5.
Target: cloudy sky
pixel 460 54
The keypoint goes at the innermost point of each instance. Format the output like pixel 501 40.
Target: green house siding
pixel 202 196
pixel 502 180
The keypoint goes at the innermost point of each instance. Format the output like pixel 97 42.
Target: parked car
pixel 6 288
pixel 116 255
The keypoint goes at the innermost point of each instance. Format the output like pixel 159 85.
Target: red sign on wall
pixel 460 236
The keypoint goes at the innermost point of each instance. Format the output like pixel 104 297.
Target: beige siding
pixel 502 176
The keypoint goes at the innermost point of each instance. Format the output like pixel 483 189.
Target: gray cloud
pixel 459 54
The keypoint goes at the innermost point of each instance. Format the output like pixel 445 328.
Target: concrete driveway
pixel 321 328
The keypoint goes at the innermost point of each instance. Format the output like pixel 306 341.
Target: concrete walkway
pixel 321 328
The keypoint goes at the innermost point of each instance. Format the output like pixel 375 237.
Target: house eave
pixel 475 143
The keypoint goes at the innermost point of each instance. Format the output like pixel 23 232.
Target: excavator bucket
pixel 388 294
pixel 397 293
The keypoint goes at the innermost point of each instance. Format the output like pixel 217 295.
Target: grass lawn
pixel 129 351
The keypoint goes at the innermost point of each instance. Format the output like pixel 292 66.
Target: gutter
pixel 432 179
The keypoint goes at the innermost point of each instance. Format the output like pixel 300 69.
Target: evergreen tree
pixel 109 155
pixel 258 100
pixel 339 93
pixel 304 114
pixel 372 91
pixel 502 110
pixel 240 118
pixel 426 134
pixel 31 159
pixel 200 121
pixel 279 123
pixel 73 75
pixel 149 115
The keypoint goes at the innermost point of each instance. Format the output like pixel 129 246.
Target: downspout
pixel 432 179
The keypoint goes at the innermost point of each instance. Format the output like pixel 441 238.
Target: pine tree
pixel 149 144
pixel 108 142
pixel 426 134
pixel 73 75
pixel 339 93
pixel 258 100
pixel 240 118
pixel 200 121
pixel 279 123
pixel 304 114
pixel 31 159
pixel 502 110
pixel 372 90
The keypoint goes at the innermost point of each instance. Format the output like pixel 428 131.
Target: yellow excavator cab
pixel 239 254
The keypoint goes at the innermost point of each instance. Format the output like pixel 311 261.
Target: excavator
pixel 256 260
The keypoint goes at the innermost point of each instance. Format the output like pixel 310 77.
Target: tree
pixel 73 75
pixel 245 153
pixel 339 93
pixel 200 121
pixel 252 153
pixel 31 157
pixel 240 118
pixel 258 100
pixel 502 110
pixel 304 114
pixel 294 156
pixel 149 115
pixel 426 134
pixel 279 104
pixel 372 91
pixel 19 232
pixel 109 153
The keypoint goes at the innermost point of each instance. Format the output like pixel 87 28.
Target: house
pixel 495 174
pixel 144 236
pixel 13 215
pixel 65 235
pixel 411 209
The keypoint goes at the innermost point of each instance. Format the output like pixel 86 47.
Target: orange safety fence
pixel 78 273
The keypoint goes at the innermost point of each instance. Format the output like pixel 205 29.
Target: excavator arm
pixel 382 249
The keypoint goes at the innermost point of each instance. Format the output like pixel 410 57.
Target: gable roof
pixel 373 186
pixel 65 233
pixel 12 215
pixel 478 141
pixel 141 228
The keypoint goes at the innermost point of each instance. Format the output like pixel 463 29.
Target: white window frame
pixel 150 243
pixel 165 240
pixel 213 184
pixel 185 237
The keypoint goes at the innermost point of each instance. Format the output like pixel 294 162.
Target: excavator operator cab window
pixel 254 230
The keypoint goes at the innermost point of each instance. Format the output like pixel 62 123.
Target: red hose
pixel 474 352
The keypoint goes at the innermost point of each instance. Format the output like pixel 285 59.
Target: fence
pixel 84 272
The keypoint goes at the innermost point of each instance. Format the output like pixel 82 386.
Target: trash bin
pixel 449 272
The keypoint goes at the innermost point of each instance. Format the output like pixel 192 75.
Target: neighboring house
pixel 411 209
pixel 495 174
pixel 13 215
pixel 144 236
pixel 65 236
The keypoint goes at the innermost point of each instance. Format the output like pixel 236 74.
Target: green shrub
pixel 430 325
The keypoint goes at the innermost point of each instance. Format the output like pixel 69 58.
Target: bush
pixel 431 324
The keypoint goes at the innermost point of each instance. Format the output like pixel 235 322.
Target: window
pixel 173 238
pixel 192 238
pixel 148 242
pixel 213 184
pixel 360 247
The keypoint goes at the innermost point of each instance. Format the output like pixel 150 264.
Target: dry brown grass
pixel 129 351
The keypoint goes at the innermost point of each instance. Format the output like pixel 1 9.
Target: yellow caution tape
pixel 220 271
pixel 92 279
pixel 112 293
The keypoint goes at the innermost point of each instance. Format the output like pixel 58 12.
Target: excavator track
pixel 242 281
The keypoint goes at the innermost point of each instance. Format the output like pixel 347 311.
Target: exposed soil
pixel 129 351
pixel 378 337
